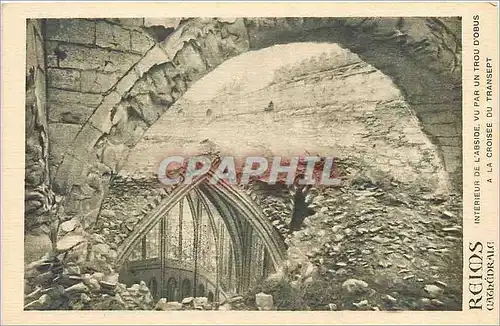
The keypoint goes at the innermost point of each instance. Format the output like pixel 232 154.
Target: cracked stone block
pixel 85 141
pixel 160 80
pixel 80 57
pixel 140 41
pixel 61 136
pixel 85 58
pixel 126 82
pixel 112 36
pixel 70 30
pixel 150 110
pixel 101 119
pixel 93 81
pixel 192 60
pixel 153 57
pixel 62 96
pixel 69 113
pixel 68 172
pixel 211 50
pixel 64 78
pixel 121 62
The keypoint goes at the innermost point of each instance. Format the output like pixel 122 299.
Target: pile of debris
pixel 52 283
pixel 189 303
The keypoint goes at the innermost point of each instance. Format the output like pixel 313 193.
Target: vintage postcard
pixel 250 163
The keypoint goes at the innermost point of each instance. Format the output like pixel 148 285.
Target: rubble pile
pixel 53 283
pixel 379 246
pixel 276 203
pixel 130 199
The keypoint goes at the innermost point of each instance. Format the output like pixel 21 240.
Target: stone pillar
pixel 246 268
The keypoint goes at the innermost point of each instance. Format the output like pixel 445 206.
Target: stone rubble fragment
pixel 264 301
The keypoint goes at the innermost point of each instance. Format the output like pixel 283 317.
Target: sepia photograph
pixel 248 164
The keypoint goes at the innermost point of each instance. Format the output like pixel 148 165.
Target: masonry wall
pixel 85 59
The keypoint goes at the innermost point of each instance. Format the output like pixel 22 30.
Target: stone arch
pixel 230 201
pixel 421 55
pixel 172 289
pixel 186 288
pixel 210 296
pixel 200 292
pixel 153 287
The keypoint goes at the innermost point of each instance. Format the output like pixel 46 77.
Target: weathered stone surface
pixel 69 241
pixel 40 51
pixel 453 141
pixel 433 291
pixel 200 303
pixel 140 42
pixel 155 56
pixel 60 136
pixel 35 246
pixel 163 305
pixel 444 130
pixel 112 36
pixel 190 58
pixel 126 82
pixel 264 301
pixel 452 159
pixel 52 54
pixel 101 119
pixel 85 141
pixel 70 225
pixel 93 81
pixel 69 171
pixel 64 78
pixel 86 193
pixel 62 96
pixel 70 30
pixel 89 58
pixel 69 113
pixel 35 53
pixel 187 300
pixel 354 286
